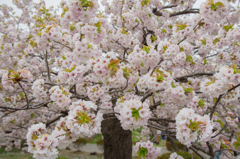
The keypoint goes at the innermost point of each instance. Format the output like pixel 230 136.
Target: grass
pixel 65 154
pixel 94 139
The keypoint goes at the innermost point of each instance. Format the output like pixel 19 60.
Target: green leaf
pixel 32 43
pixel 69 70
pixel 228 27
pixel 90 46
pixel 204 41
pixel 205 61
pixel 65 93
pixel 216 40
pixel 29 37
pixel 98 25
pixel 164 31
pixel 142 64
pixel 188 90
pixel 136 82
pixel 194 125
pixel 172 84
pixel 87 3
pixel 48 14
pixel 135 113
pixel 21 95
pixel 201 103
pixel 189 58
pixel 127 72
pixel 153 38
pixel 146 48
pixel 181 26
pixel 34 136
pixel 162 104
pixel 142 152
pixel 64 58
pixel 236 144
pixel 145 2
pixel 72 27
pixel 219 4
pixel 32 115
pixel 124 31
pixel 12 121
pixel 113 66
pixel 214 100
pixel 164 48
pixel 181 49
pixel 220 122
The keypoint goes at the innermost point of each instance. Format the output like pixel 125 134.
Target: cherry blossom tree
pixel 89 67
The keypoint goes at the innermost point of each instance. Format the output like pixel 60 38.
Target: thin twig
pixel 63 45
pixel 24 93
pixel 48 73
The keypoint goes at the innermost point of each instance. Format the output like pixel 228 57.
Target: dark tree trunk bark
pixel 117 142
pixel 174 145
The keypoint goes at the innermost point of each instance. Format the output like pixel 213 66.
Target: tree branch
pixel 158 13
pixel 48 73
pixel 63 45
pixel 55 119
pixel 184 78
pixel 195 151
pixel 220 97
pixel 162 119
pixel 24 94
pixel 220 130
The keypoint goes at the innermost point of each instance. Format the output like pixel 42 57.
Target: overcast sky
pixel 48 3
pixel 57 2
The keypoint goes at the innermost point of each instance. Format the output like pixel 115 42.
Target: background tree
pixel 155 64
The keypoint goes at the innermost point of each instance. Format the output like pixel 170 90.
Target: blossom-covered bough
pixel 111 67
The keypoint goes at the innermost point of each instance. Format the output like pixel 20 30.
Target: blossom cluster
pixel 132 113
pixel 84 50
pixel 40 144
pixel 147 150
pixel 73 74
pixel 175 156
pixel 10 78
pixel 215 10
pixel 144 57
pixel 61 96
pixel 198 105
pixel 225 78
pixel 192 127
pixel 40 92
pixel 79 10
pixel 179 94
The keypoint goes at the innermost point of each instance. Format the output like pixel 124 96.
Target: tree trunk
pixel 117 142
pixel 174 145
